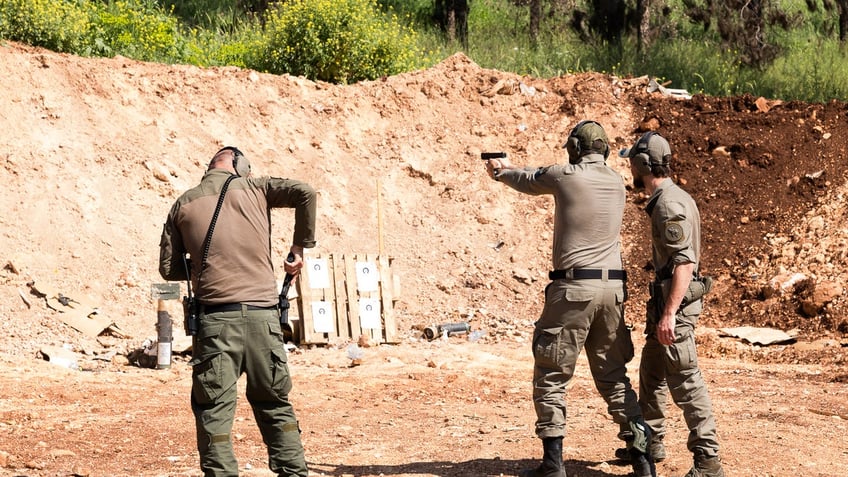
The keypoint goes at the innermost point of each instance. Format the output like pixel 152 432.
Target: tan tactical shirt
pixel 675 228
pixel 589 199
pixel 239 266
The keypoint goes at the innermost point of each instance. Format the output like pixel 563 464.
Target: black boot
pixel 643 464
pixel 551 465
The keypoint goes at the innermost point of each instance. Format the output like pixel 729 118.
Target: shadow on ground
pixel 470 468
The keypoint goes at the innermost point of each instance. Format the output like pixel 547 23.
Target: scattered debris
pixel 79 314
pixel 760 336
pixel 11 267
pixel 504 86
pixel 823 412
pixel 146 356
pixel 24 298
pixel 446 329
pixel 60 356
pixel 653 86
pixel 355 354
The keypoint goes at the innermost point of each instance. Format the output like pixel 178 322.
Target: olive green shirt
pixel 239 266
pixel 675 228
pixel 589 199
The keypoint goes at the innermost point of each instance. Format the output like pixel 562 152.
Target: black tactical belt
pixel 208 309
pixel 587 274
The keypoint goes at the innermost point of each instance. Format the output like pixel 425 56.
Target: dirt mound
pixel 770 180
pixel 97 149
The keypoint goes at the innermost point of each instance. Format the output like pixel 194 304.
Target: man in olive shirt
pixel 236 288
pixel 584 302
pixel 669 357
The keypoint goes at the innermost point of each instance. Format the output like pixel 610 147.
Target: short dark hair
pixel 660 171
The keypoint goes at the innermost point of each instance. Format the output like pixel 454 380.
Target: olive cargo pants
pixel 227 345
pixel 582 314
pixel 674 370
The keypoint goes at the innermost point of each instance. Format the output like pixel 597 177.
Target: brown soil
pixel 96 150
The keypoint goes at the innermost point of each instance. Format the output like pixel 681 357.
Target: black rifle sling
pixel 208 239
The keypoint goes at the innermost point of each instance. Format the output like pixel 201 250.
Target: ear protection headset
pixel 640 156
pixel 572 144
pixel 240 163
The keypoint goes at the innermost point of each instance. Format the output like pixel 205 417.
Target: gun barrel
pixel 492 155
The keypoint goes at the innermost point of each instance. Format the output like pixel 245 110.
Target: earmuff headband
pixel 240 163
pixel 572 144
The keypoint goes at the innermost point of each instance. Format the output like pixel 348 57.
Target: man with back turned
pixel 236 290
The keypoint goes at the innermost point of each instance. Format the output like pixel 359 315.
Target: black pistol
pixel 191 317
pixel 492 155
pixel 283 303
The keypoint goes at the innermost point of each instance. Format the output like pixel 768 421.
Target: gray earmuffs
pixel 640 157
pixel 240 163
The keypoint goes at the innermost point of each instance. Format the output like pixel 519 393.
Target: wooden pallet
pixel 340 298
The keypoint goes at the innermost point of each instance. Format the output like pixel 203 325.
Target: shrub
pixel 138 29
pixel 56 25
pixel 340 41
pixel 236 49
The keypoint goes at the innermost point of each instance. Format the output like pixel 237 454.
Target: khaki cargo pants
pixel 674 369
pixel 227 345
pixel 582 314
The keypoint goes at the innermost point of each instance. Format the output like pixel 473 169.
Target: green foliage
pixel 56 25
pixel 239 49
pixel 138 29
pixel 134 28
pixel 345 41
pixel 220 15
pixel 499 38
pixel 419 12
pixel 686 55
pixel 818 77
pixel 340 41
pixel 698 67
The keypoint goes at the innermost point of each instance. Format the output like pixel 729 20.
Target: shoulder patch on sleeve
pixel 673 232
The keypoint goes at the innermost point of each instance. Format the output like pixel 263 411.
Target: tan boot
pixel 658 449
pixel 706 467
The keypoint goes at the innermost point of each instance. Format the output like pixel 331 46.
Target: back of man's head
pixel 231 158
pixel 587 137
pixel 650 155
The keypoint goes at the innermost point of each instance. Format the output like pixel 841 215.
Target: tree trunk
pixel 460 11
pixel 452 17
pixel 842 8
pixel 535 20
pixel 643 17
